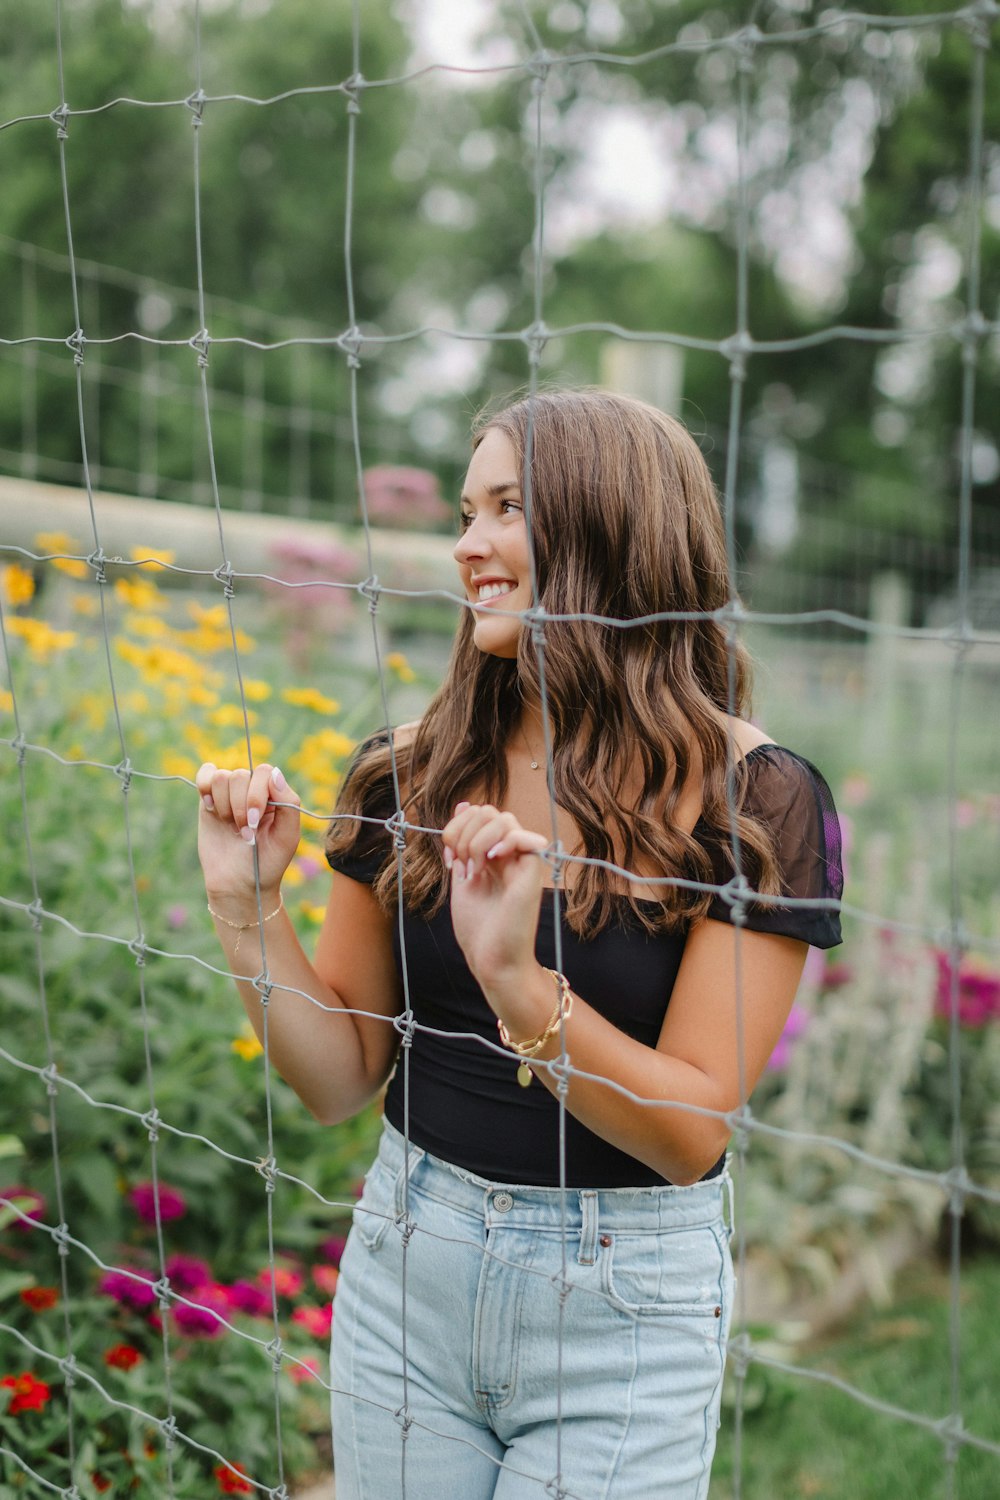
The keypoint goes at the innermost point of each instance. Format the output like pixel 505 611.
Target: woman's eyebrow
pixel 494 489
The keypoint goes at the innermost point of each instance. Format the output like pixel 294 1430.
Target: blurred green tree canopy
pixel 857 210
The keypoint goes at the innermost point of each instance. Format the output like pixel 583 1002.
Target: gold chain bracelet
pixel 241 927
pixel 531 1048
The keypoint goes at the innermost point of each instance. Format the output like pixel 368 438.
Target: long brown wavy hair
pixel 624 522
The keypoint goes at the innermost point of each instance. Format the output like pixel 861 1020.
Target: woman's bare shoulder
pixel 404 734
pixel 747 737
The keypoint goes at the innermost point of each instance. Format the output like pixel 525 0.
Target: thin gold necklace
pixel 533 762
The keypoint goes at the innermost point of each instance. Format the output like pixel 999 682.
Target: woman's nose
pixel 472 543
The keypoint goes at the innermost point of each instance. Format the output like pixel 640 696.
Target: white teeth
pixel 494 590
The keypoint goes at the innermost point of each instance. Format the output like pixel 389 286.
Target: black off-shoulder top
pixel 464 1102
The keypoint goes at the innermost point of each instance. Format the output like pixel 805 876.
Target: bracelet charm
pixel 532 1047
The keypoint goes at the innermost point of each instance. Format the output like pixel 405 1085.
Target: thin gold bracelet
pixel 531 1048
pixel 242 927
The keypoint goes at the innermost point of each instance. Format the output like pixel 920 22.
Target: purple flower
pixel 30 1203
pixel 187 1273
pixel 978 992
pixel 400 496
pixel 143 1199
pixel 132 1289
pixel 247 1297
pixel 203 1316
pixel 177 916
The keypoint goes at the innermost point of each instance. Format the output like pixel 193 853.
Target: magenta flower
pixel 399 496
pixel 333 1248
pixel 978 992
pixel 202 1318
pixel 247 1297
pixel 798 1019
pixel 177 917
pixel 187 1273
pixel 132 1289
pixel 143 1199
pixel 30 1203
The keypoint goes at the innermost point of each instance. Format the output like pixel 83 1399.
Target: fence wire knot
pixel 950 1430
pixel 536 618
pixel 741 1354
pixel 137 948
pixel 740 1123
pixel 59 118
pixel 76 343
pixel 351 343
pixel 68 1367
pixel 736 893
pixel 123 770
pixel 196 104
pixel 396 828
pixel 352 87
pixel 50 1074
pixel 35 913
pixel 200 342
pixel 405 1023
pixel 98 561
pixel 744 44
pixel 224 574
pixel 404 1417
pixel 262 984
pixel 561 1071
pixel 60 1236
pixel 151 1120
pixel 19 745
pixel 266 1167
pixel 276 1350
pixel 162 1290
pixel 406 1226
pixel 958 1182
pixel 535 338
pixel 279 1493
pixel 555 1489
pixel 168 1431
pixel 70 1494
pixel 539 67
pixel 371 590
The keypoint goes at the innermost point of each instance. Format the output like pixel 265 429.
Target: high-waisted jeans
pixel 496 1342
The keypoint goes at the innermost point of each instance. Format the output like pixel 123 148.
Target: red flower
pixel 40 1298
pixel 304 1369
pixel 122 1357
pixel 100 1482
pixel 231 1483
pixel 326 1278
pixel 30 1394
pixel 286 1283
pixel 143 1199
pixel 315 1320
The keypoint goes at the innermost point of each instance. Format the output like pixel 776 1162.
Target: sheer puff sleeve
pixel 791 799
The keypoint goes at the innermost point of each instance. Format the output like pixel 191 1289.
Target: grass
pixel 802 1438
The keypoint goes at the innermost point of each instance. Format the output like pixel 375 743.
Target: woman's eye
pixel 464 520
pixel 508 506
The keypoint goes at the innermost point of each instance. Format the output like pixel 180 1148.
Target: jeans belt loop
pixel 587 1253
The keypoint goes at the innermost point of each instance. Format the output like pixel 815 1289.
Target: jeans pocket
pixel 375 1209
pixel 678 1272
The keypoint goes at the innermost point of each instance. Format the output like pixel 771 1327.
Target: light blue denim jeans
pixel 552 1345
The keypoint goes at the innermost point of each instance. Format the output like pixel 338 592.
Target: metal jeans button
pixel 502 1202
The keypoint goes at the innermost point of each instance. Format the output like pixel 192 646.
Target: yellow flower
pixel 234 757
pixel 41 639
pixel 310 698
pixel 73 567
pixel 216 618
pixel 150 557
pixel 6 701
pixel 202 696
pixel 308 850
pixel 256 691
pixel 139 593
pixel 230 715
pixel 85 604
pixel 172 764
pixel 136 703
pixel 56 541
pixel 18 584
pixel 313 912
pixel 293 876
pixel 149 626
pixel 93 708
pixel 397 663
pixel 246 1044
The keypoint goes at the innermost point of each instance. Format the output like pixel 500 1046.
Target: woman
pixel 535 1299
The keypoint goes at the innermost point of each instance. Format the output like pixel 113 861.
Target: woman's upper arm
pixel 354 956
pixel 731 980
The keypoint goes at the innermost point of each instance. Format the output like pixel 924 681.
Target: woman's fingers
pixel 480 834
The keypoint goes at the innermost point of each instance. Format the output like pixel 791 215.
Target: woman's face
pixel 492 550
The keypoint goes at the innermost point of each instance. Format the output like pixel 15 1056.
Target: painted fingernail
pixel 207 803
pixel 278 779
pixel 448 858
pixel 458 873
pixel 471 870
pixel 492 853
pixel 248 836
pixel 253 816
pixel 461 806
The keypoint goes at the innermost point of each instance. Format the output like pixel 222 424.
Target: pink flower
pixel 400 496
pixel 287 1283
pixel 177 917
pixel 204 1316
pixel 305 1369
pixel 31 1205
pixel 837 975
pixel 143 1199
pixel 132 1289
pixel 316 1321
pixel 978 998
pixel 186 1273
pixel 798 1019
pixel 246 1297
